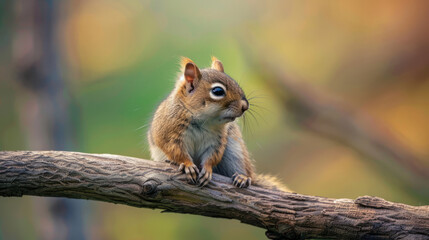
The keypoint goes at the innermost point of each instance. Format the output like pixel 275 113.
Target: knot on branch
pixel 374 202
pixel 150 187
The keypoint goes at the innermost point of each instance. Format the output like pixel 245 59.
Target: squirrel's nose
pixel 244 104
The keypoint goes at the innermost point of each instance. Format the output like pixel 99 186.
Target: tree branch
pixel 148 184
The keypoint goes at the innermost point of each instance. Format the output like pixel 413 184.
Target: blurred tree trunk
pixel 43 106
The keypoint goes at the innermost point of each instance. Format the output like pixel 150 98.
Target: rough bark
pixel 142 183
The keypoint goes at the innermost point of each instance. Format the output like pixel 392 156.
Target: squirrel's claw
pixel 241 181
pixel 181 167
pixel 190 171
pixel 204 177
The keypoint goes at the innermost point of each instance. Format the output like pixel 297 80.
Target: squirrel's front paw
pixel 191 172
pixel 240 180
pixel 205 176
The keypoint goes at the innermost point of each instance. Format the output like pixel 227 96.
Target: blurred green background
pixel 86 75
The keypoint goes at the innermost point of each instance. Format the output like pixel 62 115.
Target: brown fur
pixel 197 131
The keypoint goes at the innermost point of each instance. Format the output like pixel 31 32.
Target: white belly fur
pixel 199 143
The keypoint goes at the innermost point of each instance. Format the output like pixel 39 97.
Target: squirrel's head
pixel 210 94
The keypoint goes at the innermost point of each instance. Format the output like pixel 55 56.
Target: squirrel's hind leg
pixel 241 181
pixel 235 164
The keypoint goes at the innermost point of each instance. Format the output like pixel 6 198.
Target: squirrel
pixel 195 128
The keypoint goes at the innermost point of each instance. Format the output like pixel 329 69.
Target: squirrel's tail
pixel 269 182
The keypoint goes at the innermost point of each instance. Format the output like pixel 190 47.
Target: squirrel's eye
pixel 217 92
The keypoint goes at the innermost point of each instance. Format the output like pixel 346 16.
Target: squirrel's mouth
pixel 229 118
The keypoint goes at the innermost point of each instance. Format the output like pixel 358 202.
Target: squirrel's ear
pixel 192 75
pixel 192 72
pixel 184 61
pixel 216 64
